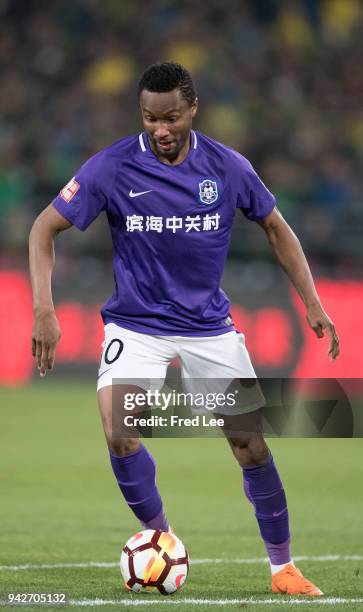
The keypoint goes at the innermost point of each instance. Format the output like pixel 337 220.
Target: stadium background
pixel 279 80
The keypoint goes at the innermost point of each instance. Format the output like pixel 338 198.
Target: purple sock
pixel 135 475
pixel 263 488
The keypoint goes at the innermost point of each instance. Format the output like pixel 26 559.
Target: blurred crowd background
pixel 279 80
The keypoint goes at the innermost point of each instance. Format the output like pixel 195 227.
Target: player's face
pixel 167 119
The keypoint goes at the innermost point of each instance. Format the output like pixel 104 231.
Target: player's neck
pixel 178 159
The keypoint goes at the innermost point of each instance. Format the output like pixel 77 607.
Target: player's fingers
pixel 334 350
pixel 34 346
pixel 334 342
pixel 44 360
pixel 51 357
pixel 38 352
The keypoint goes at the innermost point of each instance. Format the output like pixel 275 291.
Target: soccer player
pixel 170 195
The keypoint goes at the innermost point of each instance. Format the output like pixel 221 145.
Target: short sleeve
pixel 253 197
pixel 86 195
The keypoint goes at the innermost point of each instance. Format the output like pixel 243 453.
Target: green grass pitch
pixel 60 504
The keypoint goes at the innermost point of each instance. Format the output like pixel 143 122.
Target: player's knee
pixel 240 443
pixel 258 451
pixel 120 447
pixel 250 450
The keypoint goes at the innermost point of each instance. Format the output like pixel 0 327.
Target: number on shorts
pixel 118 352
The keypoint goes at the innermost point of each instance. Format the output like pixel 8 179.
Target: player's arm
pixel 290 255
pixel 46 331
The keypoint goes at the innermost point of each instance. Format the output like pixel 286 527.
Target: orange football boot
pixel 290 580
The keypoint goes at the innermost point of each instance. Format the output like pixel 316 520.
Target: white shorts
pixel 210 362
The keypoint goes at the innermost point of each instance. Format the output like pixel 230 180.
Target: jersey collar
pixel 145 146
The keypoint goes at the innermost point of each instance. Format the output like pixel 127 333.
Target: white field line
pixel 246 561
pixel 329 601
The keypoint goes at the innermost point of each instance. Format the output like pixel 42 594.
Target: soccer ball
pixel 154 560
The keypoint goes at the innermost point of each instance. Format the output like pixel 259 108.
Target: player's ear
pixel 194 107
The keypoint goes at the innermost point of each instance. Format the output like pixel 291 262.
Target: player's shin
pixel 136 477
pixel 263 488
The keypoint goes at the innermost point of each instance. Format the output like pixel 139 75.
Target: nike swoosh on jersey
pixel 135 194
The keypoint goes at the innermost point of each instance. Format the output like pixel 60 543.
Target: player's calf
pixel 133 466
pixel 136 477
pixel 264 489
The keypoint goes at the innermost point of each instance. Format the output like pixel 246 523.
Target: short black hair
pixel 166 76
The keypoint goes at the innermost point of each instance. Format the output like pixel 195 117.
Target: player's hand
pixel 319 321
pixel 45 337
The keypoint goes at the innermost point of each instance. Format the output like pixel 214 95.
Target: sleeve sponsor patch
pixel 69 190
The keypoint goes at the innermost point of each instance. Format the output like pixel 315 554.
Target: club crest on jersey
pixel 208 191
pixel 70 190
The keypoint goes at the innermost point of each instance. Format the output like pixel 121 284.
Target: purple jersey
pixel 170 226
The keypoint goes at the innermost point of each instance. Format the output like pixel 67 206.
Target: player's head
pixel 168 104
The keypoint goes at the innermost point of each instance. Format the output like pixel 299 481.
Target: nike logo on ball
pixel 135 194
